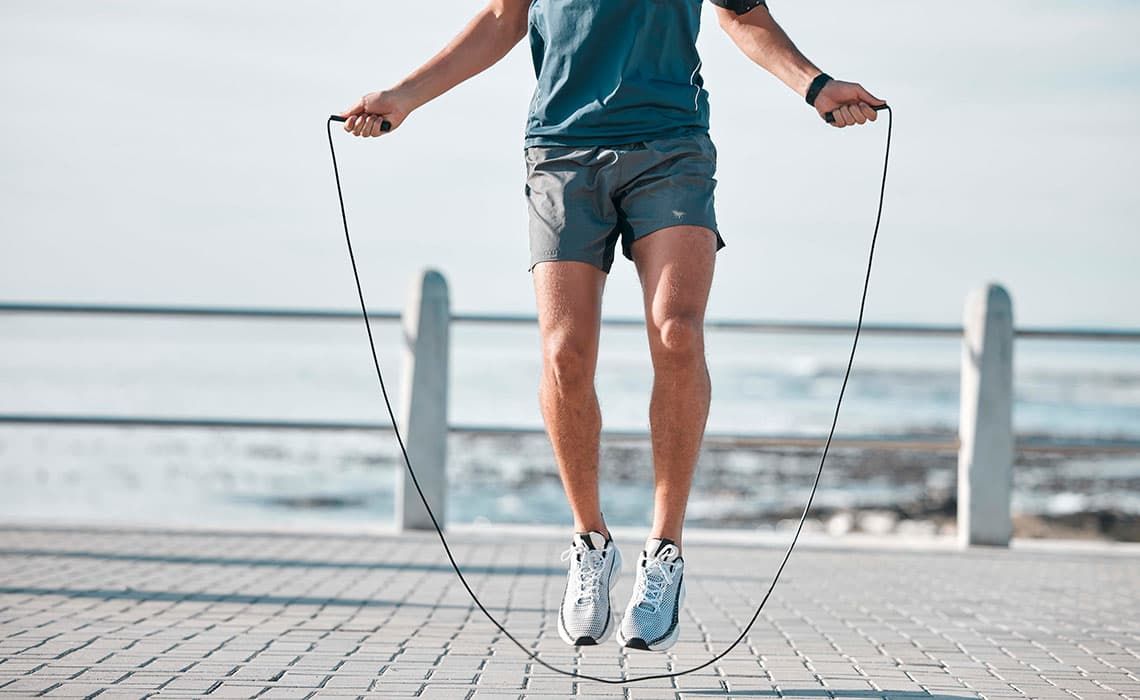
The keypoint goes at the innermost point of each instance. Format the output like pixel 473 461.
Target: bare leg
pixel 569 296
pixel 676 269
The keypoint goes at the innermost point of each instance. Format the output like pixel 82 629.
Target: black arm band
pixel 740 7
pixel 816 85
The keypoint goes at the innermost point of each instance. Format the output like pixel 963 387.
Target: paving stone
pixel 236 690
pixel 76 690
pixel 195 685
pixel 287 693
pixel 28 686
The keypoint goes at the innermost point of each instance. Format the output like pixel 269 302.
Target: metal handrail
pixel 196 311
pixel 903 442
pixel 739 325
pixel 926 443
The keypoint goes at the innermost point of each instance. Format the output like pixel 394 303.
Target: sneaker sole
pixel 615 571
pixel 661 644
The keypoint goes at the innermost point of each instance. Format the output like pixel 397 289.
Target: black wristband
pixel 816 85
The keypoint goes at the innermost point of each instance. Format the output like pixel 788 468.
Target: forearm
pixel 763 40
pixel 489 36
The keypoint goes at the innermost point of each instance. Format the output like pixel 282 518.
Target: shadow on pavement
pixel 244 598
pixel 281 563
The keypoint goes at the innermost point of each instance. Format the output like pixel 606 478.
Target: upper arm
pixel 515 12
pixel 730 10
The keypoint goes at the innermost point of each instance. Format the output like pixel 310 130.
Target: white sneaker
pixel 650 621
pixel 586 615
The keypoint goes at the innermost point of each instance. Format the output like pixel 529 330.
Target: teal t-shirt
pixel 617 71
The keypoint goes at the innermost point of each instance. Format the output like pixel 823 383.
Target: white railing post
pixel 423 402
pixel 985 429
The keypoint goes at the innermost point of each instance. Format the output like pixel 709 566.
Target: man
pixel 617 149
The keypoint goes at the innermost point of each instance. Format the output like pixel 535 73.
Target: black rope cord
pixel 533 656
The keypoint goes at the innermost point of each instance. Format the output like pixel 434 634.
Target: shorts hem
pixel 571 258
pixel 627 252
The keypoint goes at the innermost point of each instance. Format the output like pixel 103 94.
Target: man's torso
pixel 615 71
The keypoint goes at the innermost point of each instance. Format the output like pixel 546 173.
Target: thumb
pixel 868 97
pixel 356 109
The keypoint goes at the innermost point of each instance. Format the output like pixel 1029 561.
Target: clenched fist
pixel 848 103
pixel 365 117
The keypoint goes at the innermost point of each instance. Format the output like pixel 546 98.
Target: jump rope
pixel 532 655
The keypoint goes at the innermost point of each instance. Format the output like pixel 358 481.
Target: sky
pixel 174 152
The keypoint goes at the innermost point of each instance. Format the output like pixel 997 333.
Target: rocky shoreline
pixel 933 509
pixel 1098 525
pixel 869 490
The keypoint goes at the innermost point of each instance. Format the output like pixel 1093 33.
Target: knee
pixel 567 362
pixel 680 338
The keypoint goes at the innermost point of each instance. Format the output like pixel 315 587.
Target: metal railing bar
pixel 721 439
pixel 1050 445
pixel 924 443
pixel 754 326
pixel 197 311
pixel 740 325
pixel 1077 333
pixel 159 422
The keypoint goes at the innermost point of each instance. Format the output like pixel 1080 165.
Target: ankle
pixel 674 537
pixel 599 528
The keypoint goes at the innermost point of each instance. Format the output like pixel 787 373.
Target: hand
pixel 848 103
pixel 365 117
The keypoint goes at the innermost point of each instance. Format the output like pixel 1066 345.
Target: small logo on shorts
pixel 678 214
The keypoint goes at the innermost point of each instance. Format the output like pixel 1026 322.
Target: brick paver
pixel 152 613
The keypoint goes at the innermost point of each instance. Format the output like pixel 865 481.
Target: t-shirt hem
pixel 543 140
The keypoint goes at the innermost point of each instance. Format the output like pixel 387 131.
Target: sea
pixel 321 371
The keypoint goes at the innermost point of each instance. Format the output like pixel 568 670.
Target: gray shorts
pixel 582 200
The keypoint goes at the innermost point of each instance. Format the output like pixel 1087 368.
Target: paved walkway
pixel 137 613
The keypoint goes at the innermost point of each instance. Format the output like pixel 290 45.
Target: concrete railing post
pixel 985 430
pixel 423 402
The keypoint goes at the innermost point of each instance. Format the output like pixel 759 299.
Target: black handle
pixel 385 125
pixel 830 117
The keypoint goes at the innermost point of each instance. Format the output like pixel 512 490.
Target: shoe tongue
pixel 590 540
pixel 662 548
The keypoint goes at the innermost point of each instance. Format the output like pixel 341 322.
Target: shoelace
pixel 589 572
pixel 658 576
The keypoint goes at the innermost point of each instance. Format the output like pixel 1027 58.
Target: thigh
pixel 569 299
pixel 675 265
pixel 570 206
pixel 671 182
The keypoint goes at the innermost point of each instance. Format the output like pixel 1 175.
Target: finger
pixel 369 121
pixel 844 116
pixel 868 112
pixel 360 124
pixel 857 114
pixel 868 97
pixel 350 125
pixel 376 125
